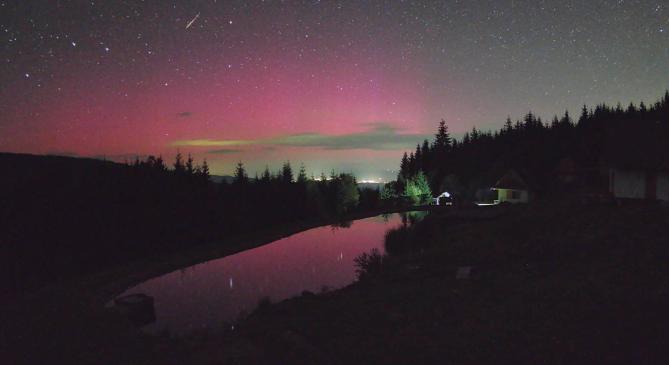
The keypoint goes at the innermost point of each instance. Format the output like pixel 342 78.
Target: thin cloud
pixel 379 136
pixel 225 151
pixel 212 142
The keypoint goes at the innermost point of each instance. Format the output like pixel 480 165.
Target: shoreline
pixel 538 270
pixel 97 289
pixel 243 242
pixel 219 249
pixel 75 311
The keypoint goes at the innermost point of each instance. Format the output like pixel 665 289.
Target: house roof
pixel 511 180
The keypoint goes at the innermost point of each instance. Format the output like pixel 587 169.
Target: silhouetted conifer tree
pixel 189 165
pixel 287 173
pixel 404 167
pixel 508 126
pixel 240 177
pixel 204 171
pixel 179 164
pixel 302 175
pixel 584 115
pixel 266 176
pixel 642 107
pixel 442 140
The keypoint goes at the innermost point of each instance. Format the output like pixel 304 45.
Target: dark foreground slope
pixel 63 218
pixel 548 285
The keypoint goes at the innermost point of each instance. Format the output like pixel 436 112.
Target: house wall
pixel 505 195
pixel 663 186
pixel 628 184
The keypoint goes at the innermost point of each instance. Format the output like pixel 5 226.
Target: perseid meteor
pixel 192 21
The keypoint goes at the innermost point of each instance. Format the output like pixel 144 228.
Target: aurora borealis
pixel 343 85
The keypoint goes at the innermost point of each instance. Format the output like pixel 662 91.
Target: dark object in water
pixel 138 308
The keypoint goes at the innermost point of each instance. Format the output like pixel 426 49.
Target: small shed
pixel 647 184
pixel 638 162
pixel 512 188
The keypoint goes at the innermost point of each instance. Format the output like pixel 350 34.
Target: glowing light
pixel 371 181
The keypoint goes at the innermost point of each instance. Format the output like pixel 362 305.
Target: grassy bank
pixel 559 284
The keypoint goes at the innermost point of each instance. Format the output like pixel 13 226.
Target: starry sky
pixel 334 85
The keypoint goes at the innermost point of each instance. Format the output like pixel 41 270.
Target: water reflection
pixel 404 239
pixel 218 292
pixel 342 224
pixel 413 217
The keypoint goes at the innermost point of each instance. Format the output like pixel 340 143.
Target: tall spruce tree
pixel 240 177
pixel 442 140
pixel 302 175
pixel 287 173
pixel 190 168
pixel 404 167
pixel 204 171
pixel 584 115
pixel 179 167
pixel 266 176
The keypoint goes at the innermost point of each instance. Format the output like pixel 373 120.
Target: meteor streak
pixel 192 21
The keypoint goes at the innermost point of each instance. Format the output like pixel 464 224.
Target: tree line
pixel 600 137
pixel 65 216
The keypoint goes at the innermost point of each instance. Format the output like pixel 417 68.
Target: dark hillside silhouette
pixel 63 216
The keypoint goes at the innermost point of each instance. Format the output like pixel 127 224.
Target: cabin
pixel 639 184
pixel 512 188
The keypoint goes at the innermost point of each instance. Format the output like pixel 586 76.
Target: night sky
pixel 344 85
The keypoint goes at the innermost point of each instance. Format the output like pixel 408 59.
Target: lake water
pixel 218 292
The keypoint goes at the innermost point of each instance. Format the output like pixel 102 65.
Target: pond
pixel 219 292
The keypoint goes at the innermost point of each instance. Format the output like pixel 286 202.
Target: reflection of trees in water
pixel 402 239
pixel 397 241
pixel 411 236
pixel 340 225
pixel 413 217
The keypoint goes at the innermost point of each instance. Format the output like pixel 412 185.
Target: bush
pixel 368 264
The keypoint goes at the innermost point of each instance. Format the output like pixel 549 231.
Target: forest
pixel 64 216
pixel 600 137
